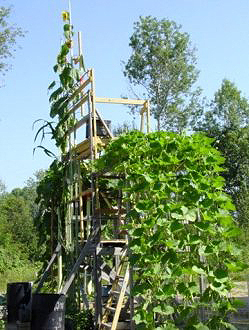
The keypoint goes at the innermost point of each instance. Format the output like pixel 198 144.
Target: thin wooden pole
pixel 82 108
pixel 142 122
pixel 59 256
pixel 95 152
pixel 148 115
pixel 90 126
pixel 46 272
pixel 84 252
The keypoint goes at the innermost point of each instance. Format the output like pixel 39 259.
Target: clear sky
pixel 218 28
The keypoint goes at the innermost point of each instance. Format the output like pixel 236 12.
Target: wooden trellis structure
pixel 95 214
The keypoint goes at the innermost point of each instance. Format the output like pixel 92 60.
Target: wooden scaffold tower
pixel 97 273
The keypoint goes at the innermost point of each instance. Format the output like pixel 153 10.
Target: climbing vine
pixel 54 189
pixel 180 226
pixel 179 220
pixel 61 91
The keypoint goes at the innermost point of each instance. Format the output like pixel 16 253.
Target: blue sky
pixel 218 28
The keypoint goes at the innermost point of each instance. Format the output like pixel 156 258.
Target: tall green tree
pixel 2 188
pixel 163 63
pixel 227 122
pixel 9 33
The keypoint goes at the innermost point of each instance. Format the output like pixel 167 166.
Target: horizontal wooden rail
pixel 79 123
pixel 119 101
pixel 79 89
pixel 77 105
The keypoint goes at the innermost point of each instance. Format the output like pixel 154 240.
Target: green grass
pixel 25 273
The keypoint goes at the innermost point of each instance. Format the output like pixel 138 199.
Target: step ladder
pixel 115 302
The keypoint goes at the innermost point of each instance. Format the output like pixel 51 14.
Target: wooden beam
pixel 119 101
pixel 79 123
pixel 120 300
pixel 104 124
pixel 79 89
pixel 79 104
pixel 147 105
pixel 84 252
pixel 45 274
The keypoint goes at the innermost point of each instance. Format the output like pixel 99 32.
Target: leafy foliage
pixel 19 250
pixel 61 97
pixel 163 63
pixel 8 35
pixel 227 122
pixel 180 225
pixel 229 110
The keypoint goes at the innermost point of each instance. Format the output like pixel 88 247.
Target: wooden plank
pixel 104 124
pixel 45 274
pixel 120 300
pixel 79 89
pixel 79 104
pixel 79 123
pixel 85 193
pixel 142 122
pixel 110 250
pixel 78 262
pixel 148 116
pixel 94 115
pixel 119 101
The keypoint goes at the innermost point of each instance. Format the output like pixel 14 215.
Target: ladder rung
pixel 111 309
pixel 121 277
pixel 120 325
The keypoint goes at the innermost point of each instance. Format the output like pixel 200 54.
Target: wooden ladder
pixel 116 297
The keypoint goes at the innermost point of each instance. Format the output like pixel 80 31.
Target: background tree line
pixel 20 250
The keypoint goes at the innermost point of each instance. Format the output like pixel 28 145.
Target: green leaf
pixel 137 318
pixel 198 270
pixel 176 225
pixel 229 325
pixel 232 232
pixel 202 225
pixel 51 85
pixel 138 231
pixel 66 27
pixel 201 326
pixel 168 289
pixel 221 275
pixel 166 310
pixel 54 96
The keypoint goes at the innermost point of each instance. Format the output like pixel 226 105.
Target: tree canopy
pixel 163 62
pixel 226 121
pixel 8 35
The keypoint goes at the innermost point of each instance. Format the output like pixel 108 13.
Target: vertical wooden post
pixel 98 288
pixel 88 217
pixel 148 115
pixel 94 114
pixel 142 120
pixel 82 108
pixel 90 125
pixel 59 270
pixel 59 256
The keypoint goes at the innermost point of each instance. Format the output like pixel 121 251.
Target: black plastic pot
pixel 19 302
pixel 48 311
